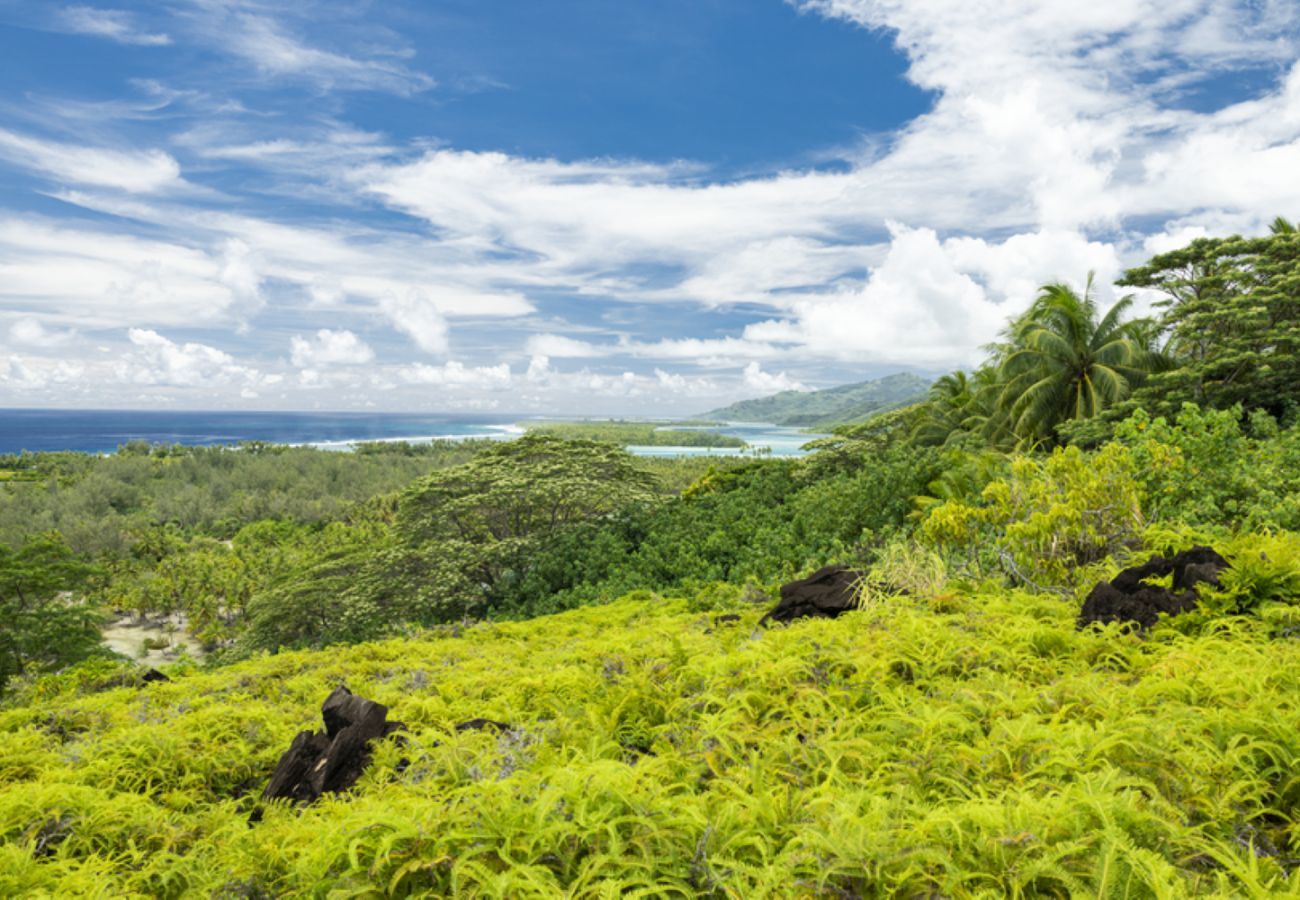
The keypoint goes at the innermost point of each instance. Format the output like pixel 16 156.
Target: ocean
pixel 103 431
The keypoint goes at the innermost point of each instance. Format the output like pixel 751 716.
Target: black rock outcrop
pixel 826 593
pixel 333 759
pixel 1128 598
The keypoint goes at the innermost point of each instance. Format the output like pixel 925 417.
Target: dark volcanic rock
pixel 333 759
pixel 825 593
pixel 154 675
pixel 1127 597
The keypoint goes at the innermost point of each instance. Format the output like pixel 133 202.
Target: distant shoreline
pixel 105 431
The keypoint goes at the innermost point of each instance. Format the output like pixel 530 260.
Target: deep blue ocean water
pixel 103 431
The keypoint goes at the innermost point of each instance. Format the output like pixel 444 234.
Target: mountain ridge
pixel 830 406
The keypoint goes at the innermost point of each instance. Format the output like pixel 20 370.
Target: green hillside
pixel 833 406
pixel 962 743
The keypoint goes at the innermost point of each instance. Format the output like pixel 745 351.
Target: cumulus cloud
pixel 161 361
pixel 416 315
pixel 770 383
pixel 457 374
pixel 28 331
pixel 329 348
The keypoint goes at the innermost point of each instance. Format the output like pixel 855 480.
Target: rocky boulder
pixel 331 760
pixel 826 593
pixel 1128 597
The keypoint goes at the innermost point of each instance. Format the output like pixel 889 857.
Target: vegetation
pixel 1232 319
pixel 958 734
pixel 967 742
pixel 1062 361
pixel 834 406
pixel 638 434
pixel 43 627
pixel 103 504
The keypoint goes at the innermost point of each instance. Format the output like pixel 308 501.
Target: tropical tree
pixel 43 626
pixel 1233 318
pixel 1062 361
pixel 946 410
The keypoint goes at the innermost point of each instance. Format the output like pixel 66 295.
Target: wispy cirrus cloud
pixel 114 24
pixel 134 171
pixel 263 35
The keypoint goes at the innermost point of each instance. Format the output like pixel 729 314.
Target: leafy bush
pixel 1049 518
pixel 1206 471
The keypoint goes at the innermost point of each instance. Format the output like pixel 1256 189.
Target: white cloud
pixel 917 308
pixel 29 332
pixel 113 24
pixel 557 345
pixel 134 171
pixel 329 348
pixel 106 279
pixel 769 383
pixel 455 374
pixel 160 361
pixel 246 30
pixel 416 315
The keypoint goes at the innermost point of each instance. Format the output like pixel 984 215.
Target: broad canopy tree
pixel 493 511
pixel 1232 312
pixel 463 537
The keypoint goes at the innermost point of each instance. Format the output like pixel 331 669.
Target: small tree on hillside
pixel 41 627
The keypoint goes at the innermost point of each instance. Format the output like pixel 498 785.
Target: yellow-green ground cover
pixel 968 744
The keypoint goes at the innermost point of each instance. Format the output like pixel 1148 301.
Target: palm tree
pixel 1060 362
pixel 946 409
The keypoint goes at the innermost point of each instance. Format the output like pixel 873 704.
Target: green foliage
pixel 960 745
pixel 1205 471
pixel 1050 518
pixel 641 434
pixel 101 504
pixel 1233 318
pixel 44 625
pixel 1063 361
pixel 1228 336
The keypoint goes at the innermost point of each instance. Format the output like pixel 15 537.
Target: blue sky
pixel 651 206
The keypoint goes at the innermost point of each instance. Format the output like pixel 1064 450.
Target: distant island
pixel 833 406
pixel 627 433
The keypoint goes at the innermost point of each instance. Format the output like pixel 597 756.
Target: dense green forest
pixel 960 734
pixel 641 434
